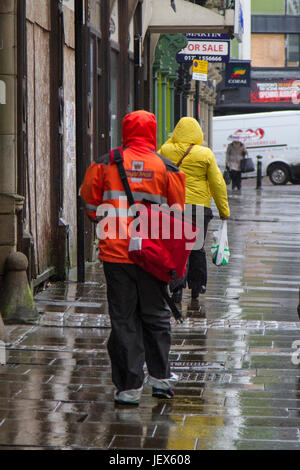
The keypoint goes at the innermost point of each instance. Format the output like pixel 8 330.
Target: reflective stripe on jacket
pixel 203 176
pixel 151 177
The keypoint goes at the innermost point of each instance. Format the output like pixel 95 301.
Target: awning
pixel 189 18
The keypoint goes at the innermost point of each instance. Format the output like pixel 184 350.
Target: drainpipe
pixel 196 101
pixel 172 79
pixel 155 90
pixel 164 81
pixel 80 159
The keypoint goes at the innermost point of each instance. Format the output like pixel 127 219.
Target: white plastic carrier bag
pixel 220 249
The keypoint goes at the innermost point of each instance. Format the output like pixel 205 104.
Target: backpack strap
pixel 185 155
pixel 117 158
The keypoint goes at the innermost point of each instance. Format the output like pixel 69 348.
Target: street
pixel 240 381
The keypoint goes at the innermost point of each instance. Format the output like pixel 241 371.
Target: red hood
pixel 139 128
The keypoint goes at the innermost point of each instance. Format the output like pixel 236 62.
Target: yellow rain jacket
pixel 204 179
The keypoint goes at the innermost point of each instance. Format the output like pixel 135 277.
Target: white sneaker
pixel 163 384
pixel 128 397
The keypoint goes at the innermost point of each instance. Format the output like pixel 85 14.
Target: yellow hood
pixel 187 131
pixel 203 176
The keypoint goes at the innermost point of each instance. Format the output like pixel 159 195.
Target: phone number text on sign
pixel 208 58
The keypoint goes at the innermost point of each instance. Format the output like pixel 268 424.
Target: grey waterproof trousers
pixel 140 322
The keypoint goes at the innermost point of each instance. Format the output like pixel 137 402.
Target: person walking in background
pixel 204 180
pixel 234 154
pixel 140 317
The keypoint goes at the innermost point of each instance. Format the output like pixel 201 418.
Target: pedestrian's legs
pixel 234 178
pixel 155 318
pixel 197 271
pixel 125 345
pixel 197 274
pixel 239 180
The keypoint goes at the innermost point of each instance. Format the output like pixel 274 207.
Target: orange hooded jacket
pixel 151 177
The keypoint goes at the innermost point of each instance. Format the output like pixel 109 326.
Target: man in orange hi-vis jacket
pixel 140 317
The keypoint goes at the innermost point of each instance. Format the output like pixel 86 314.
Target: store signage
pixel 205 47
pixel 207 36
pixel 237 74
pixel 283 91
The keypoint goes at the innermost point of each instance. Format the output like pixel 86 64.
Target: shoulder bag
pixel 163 257
pixel 247 165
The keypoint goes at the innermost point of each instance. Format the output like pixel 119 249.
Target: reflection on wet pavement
pixel 239 388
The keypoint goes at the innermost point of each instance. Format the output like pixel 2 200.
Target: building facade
pixel 275 61
pixel 69 72
pixel 176 94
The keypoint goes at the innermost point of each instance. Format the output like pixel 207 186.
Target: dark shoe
pixel 195 294
pixel 195 304
pixel 160 393
pixel 196 310
pixel 198 291
pixel 177 296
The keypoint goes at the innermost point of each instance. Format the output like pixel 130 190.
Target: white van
pixel 273 135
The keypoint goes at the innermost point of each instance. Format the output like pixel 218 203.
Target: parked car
pixel 273 135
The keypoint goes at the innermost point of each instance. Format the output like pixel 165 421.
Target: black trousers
pixel 197 270
pixel 236 179
pixel 140 322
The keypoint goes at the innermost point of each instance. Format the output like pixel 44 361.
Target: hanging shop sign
pixel 270 91
pixel 238 74
pixel 200 70
pixel 205 47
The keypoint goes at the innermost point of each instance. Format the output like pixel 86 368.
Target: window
pixel 268 7
pixel 293 7
pixel 292 50
pixel 268 50
pixel 275 7
pixel 275 50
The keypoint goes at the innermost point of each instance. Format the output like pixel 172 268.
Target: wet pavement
pixel 239 387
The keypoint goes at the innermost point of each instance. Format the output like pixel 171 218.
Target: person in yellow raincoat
pixel 204 181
